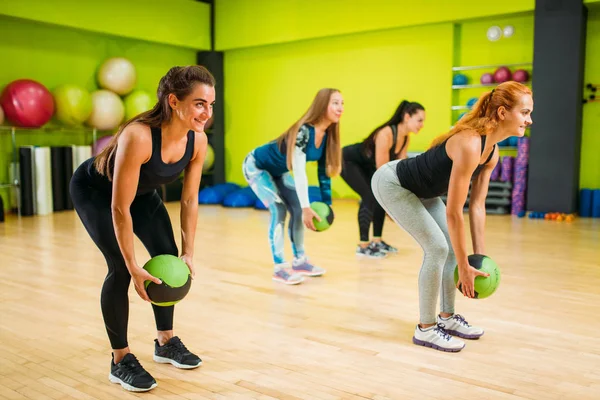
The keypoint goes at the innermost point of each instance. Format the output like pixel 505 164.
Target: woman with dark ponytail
pixel 115 197
pixel 387 142
pixel 409 191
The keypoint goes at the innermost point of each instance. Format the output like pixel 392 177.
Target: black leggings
pixel 151 224
pixel 359 179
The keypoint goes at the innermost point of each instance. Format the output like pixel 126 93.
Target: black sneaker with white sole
pixel 175 353
pixel 131 375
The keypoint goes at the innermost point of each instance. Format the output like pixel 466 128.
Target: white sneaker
pixel 436 337
pixel 457 326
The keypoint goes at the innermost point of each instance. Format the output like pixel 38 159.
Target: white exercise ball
pixel 107 110
pixel 117 74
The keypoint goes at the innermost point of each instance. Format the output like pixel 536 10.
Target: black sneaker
pixel 131 375
pixel 175 352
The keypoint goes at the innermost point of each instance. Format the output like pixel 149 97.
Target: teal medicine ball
pixel 484 286
pixel 175 276
pixel 325 213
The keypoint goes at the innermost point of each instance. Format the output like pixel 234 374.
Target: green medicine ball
pixel 484 286
pixel 175 276
pixel 325 213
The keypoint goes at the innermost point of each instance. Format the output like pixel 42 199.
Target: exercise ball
pixel 460 79
pixel 101 144
pixel 486 79
pixel 484 286
pixel 118 75
pixel 209 159
pixel 138 102
pixel 27 103
pixel 1 116
pixel 325 213
pixel 73 104
pixel 175 276
pixel 107 110
pixel 502 74
pixel 471 102
pixel 520 75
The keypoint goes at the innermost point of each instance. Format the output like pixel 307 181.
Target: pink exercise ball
pixel 101 144
pixel 486 79
pixel 521 75
pixel 27 103
pixel 502 74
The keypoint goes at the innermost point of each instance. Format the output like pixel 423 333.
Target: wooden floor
pixel 346 335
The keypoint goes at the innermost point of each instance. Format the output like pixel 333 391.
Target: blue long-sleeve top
pixel 272 159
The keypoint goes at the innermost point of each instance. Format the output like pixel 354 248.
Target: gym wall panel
pixel 270 87
pixel 54 55
pixel 245 23
pixel 590 133
pixel 175 22
pixel 472 48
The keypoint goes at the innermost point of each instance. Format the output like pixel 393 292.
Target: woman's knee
pixel 438 250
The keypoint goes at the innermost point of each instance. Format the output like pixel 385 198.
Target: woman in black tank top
pixel 115 197
pixel 409 191
pixel 387 142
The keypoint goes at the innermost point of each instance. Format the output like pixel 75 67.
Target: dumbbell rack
pixel 498 200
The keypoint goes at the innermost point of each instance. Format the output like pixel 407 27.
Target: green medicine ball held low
pixel 325 213
pixel 175 276
pixel 484 286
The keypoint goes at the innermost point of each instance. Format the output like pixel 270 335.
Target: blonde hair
pixel 180 81
pixel 315 113
pixel 483 118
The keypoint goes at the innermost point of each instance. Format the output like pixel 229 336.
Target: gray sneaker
pixel 370 251
pixel 385 248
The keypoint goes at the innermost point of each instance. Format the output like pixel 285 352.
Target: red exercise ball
pixel 521 75
pixel 502 74
pixel 27 103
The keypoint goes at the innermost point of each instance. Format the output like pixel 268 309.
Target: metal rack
pixel 15 184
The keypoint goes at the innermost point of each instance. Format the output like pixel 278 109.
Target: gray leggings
pixel 425 221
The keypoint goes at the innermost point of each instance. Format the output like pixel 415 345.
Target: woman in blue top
pixel 315 137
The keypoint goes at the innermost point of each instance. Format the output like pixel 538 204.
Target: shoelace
pixel 461 320
pixel 132 366
pixel 440 329
pixel 177 348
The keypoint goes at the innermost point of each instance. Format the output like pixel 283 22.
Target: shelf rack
pixel 49 129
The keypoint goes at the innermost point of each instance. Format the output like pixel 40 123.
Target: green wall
pixel 269 87
pixel 183 23
pixel 472 48
pixel 246 23
pixel 590 141
pixel 54 55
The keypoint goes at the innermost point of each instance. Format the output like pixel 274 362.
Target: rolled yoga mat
pixel 496 172
pixel 507 169
pixel 519 194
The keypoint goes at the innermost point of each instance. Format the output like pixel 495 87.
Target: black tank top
pixel 153 173
pixel 355 153
pixel 428 174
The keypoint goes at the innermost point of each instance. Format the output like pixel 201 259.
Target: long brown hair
pixel 315 113
pixel 180 81
pixel 483 118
